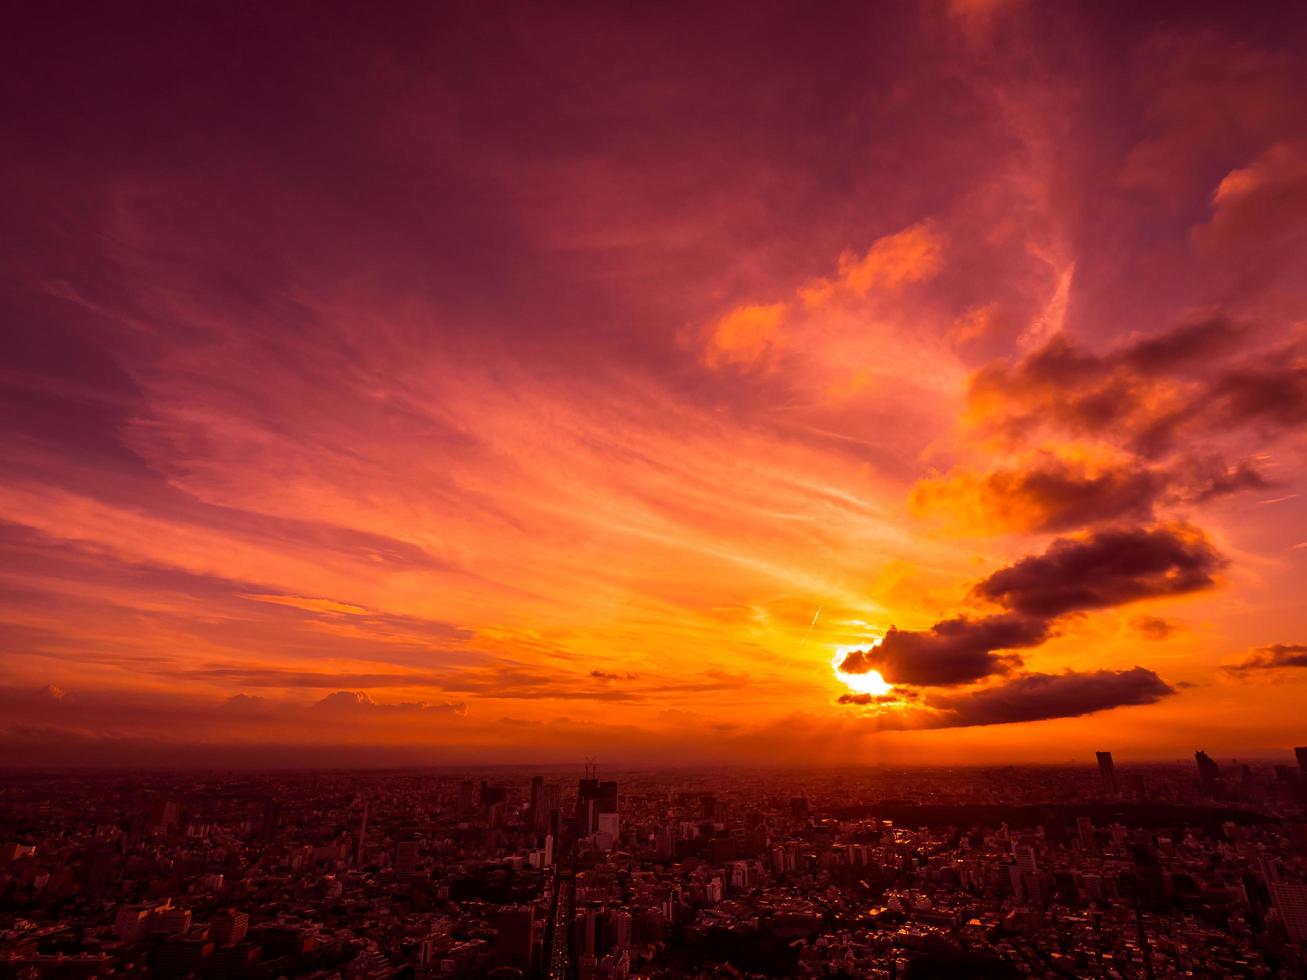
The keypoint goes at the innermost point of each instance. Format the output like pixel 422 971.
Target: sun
pixel 869 683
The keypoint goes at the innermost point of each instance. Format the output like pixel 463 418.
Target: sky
pixel 669 384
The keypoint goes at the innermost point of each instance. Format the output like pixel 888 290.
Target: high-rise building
pixel 1209 774
pixel 608 831
pixel 164 816
pixel 544 807
pixel 268 817
pixel 1301 753
pixel 593 798
pixel 1107 773
pixel 229 928
pixel 515 937
pixel 363 834
pixel 537 784
pixel 1291 901
pixel 619 927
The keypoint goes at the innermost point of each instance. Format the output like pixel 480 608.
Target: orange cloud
pixel 911 255
pixel 745 336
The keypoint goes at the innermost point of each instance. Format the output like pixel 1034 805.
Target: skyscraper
pixel 515 936
pixel 587 791
pixel 593 798
pixel 1291 901
pixel 537 784
pixel 1301 753
pixel 363 834
pixel 1107 773
pixel 545 806
pixel 1209 774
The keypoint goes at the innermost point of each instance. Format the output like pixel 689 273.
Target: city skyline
pixel 903 384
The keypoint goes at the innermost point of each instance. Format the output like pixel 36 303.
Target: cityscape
pixel 600 490
pixel 1149 871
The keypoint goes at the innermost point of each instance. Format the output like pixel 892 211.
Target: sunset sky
pixel 834 384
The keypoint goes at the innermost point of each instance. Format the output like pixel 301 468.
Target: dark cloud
pixel 1052 494
pixel 865 699
pixel 1038 697
pixel 1271 394
pixel 954 651
pixel 1066 499
pixel 1144 395
pixel 1034 697
pixel 1271 657
pixel 1207 479
pixel 606 675
pixel 1106 568
pixel 1153 627
pixel 1097 571
pixel 1055 494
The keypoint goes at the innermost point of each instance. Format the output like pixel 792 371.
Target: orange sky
pixel 438 384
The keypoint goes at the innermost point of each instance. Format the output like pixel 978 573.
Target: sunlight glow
pixel 869 683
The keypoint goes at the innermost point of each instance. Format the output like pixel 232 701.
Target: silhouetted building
pixel 164 816
pixel 363 834
pixel 537 784
pixel 229 928
pixel 594 797
pixel 544 815
pixel 1291 902
pixel 1301 753
pixel 467 798
pixel 268 818
pixel 1107 773
pixel 1209 774
pixel 515 936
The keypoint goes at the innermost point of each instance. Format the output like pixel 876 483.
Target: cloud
pixel 1095 571
pixel 952 652
pixel 1103 569
pixel 1145 394
pixel 349 702
pixel 750 337
pixel 1257 209
pixel 1039 697
pixel 1273 657
pixel 865 699
pixel 1153 627
pixel 745 336
pixel 911 255
pixel 605 675
pixel 1051 493
pixel 307 603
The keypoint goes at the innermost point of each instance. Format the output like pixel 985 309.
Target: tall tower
pixel 1209 773
pixel 537 784
pixel 587 799
pixel 1107 772
pixel 1301 753
pixel 363 834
